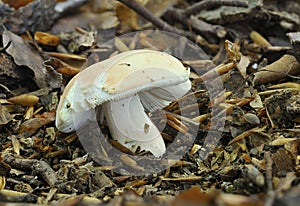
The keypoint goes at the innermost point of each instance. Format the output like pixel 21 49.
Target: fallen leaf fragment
pixel 285 85
pixel 4 168
pixel 25 55
pixel 281 141
pixel 286 65
pixel 16 144
pixel 30 126
pixel 194 149
pixel 233 51
pixel 282 161
pixel 29 113
pixel 242 66
pixel 131 20
pixel 259 39
pixel 194 196
pixel 5 116
pixel 27 100
pixel 131 163
pixel 66 56
pixel 245 134
pixel 62 67
pixel 237 200
pixel 46 38
pixel 2 182
pixel 16 3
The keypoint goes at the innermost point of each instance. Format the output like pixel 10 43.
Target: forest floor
pixel 233 139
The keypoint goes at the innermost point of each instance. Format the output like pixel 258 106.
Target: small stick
pixel 208 4
pixel 207 28
pixel 270 197
pixel 269 176
pixel 144 12
pixel 39 167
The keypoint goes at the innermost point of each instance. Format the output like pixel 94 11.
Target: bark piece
pixel 35 16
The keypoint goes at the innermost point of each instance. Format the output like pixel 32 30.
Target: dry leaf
pixel 25 55
pixel 16 144
pixel 242 66
pixel 62 67
pixel 16 3
pixel 193 197
pixel 30 126
pixel 28 100
pixel 277 70
pixel 130 20
pixel 131 163
pixel 46 38
pixel 2 182
pixel 5 116
pixel 259 39
pixel 282 161
pixel 281 141
pixel 104 20
pixel 4 168
pixel 78 40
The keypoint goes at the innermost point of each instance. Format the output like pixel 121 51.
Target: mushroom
pixel 123 85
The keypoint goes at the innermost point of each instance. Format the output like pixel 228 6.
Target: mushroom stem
pixel 130 125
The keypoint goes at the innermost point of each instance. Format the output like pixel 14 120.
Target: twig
pixel 269 176
pixel 208 4
pixel 39 167
pixel 206 28
pixel 145 13
pixel 270 197
pixel 186 15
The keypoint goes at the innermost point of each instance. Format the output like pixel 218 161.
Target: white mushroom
pixel 124 84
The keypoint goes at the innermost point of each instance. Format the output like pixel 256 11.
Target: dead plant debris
pixel 247 146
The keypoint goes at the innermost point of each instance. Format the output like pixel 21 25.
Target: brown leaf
pixel 73 200
pixel 283 162
pixel 104 20
pixel 25 55
pixel 131 163
pixel 16 3
pixel 78 39
pixel 277 70
pixel 128 18
pixel 30 126
pixel 194 196
pixel 28 100
pixel 2 182
pixel 62 67
pixel 259 39
pixel 4 168
pixel 131 20
pixel 5 116
pixel 46 38
pixel 242 66
pixel 16 144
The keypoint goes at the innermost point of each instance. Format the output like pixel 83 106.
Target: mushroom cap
pixel 119 77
